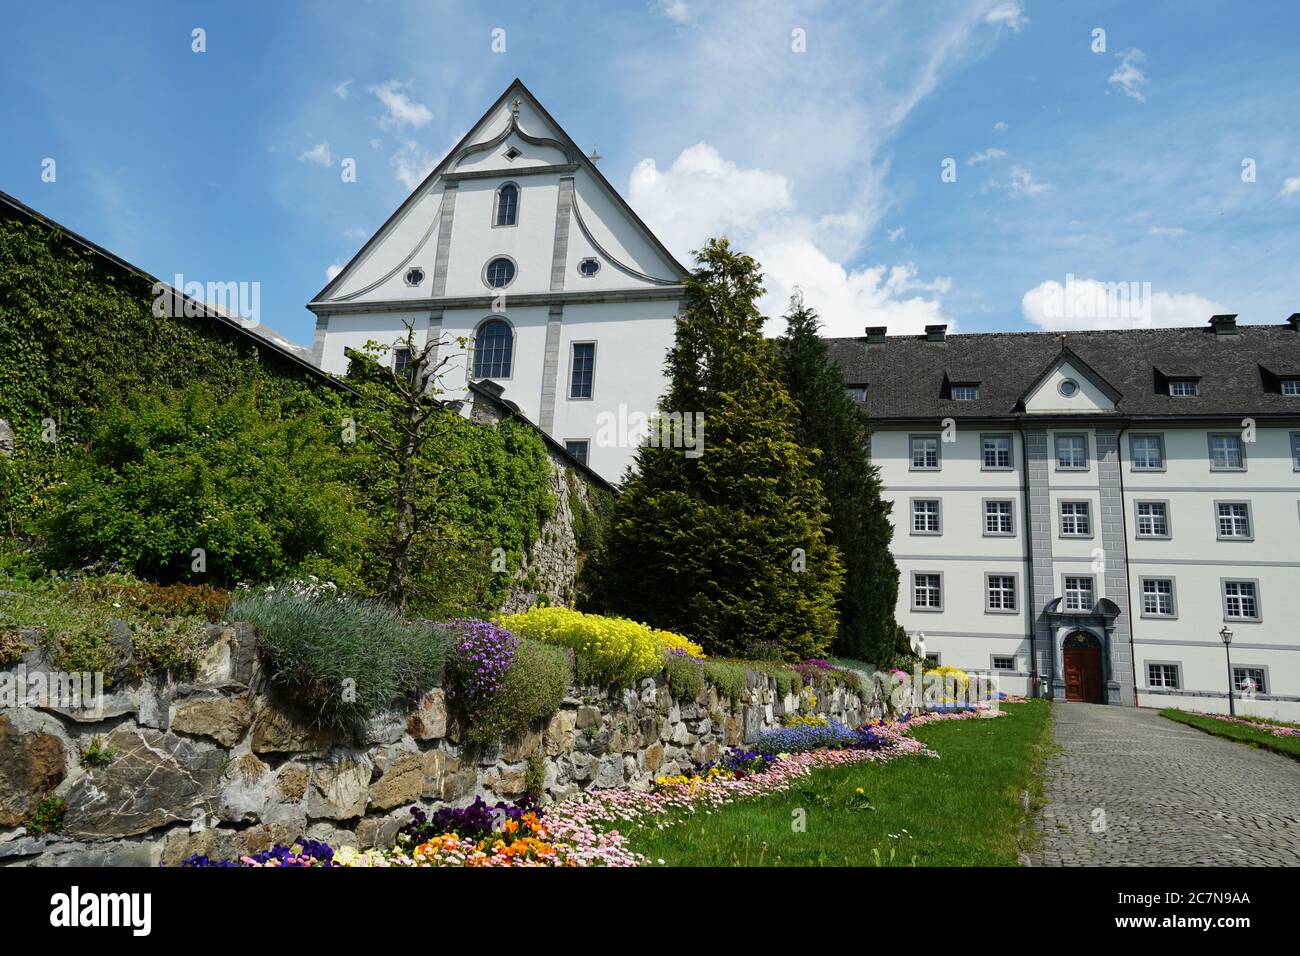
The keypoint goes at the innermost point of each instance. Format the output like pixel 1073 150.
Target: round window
pixel 500 272
pixel 414 276
pixel 1069 387
pixel 588 267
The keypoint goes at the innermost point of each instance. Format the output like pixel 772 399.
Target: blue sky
pixel 1120 165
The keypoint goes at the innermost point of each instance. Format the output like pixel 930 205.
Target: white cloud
pixel 376 143
pixel 411 164
pixel 674 10
pixel 1082 304
pixel 332 270
pixel 1128 76
pixel 342 91
pixel 357 232
pixel 986 156
pixel 1021 183
pixel 1009 14
pixel 1000 127
pixel 1167 232
pixel 704 194
pixel 318 154
pixel 1291 187
pixel 402 110
pixel 896 234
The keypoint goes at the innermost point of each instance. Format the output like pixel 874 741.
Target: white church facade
pixel 517 246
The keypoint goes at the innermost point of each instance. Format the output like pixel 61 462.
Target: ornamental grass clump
pixel 685 676
pixel 342 659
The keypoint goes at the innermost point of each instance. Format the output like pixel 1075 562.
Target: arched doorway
pixel 1084 672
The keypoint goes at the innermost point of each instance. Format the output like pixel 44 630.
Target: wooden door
pixel 1083 674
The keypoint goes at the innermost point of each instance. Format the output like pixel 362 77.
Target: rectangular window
pixel 1075 520
pixel 1250 680
pixel 925 516
pixel 402 364
pixel 925 452
pixel 1291 386
pixel 1233 519
pixel 1072 452
pixel 997 452
pixel 1078 594
pixel 1148 452
pixel 1001 663
pixel 1226 453
pixel 1240 601
pixel 582 372
pixel 1184 388
pixel 927 592
pixel 1295 450
pixel 932 659
pixel 1157 597
pixel 1001 592
pixel 998 518
pixel 965 393
pixel 1162 675
pixel 858 393
pixel 578 449
pixel 1152 519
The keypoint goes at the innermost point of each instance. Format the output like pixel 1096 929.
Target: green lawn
pixel 1288 746
pixel 963 809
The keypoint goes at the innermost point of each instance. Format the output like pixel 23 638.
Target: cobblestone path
pixel 1130 788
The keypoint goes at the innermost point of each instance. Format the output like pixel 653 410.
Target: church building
pixel 517 245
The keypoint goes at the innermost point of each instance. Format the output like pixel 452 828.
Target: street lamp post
pixel 1226 636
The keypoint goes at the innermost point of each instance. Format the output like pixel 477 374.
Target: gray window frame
pixel 984 517
pixel 1065 592
pixel 1087 452
pixel 1060 519
pixel 1011 446
pixel 1268 679
pixel 1236 436
pixel 1132 453
pixel 1250 520
pixel 938 514
pixel 1173 597
pixel 975 389
pixel 496 208
pixel 585 441
pixel 912 584
pixel 1178 674
pixel 1294 449
pixel 993 660
pixel 1194 382
pixel 572 352
pixel 938 451
pixel 1015 592
pixel 1259 601
pixel 1137 519
pixel 514 342
pixel 514 276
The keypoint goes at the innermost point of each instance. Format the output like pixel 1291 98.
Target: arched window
pixel 494 348
pixel 507 205
pixel 500 272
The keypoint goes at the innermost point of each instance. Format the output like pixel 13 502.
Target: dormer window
pixel 857 392
pixel 1184 387
pixel 965 393
pixel 1291 386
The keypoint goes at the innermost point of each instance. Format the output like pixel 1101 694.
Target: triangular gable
pixel 472 144
pixel 1092 393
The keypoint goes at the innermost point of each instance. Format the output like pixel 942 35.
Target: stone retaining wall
pixel 222 766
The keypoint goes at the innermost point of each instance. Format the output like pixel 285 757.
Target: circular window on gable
pixel 1069 388
pixel 500 272
pixel 588 267
pixel 414 276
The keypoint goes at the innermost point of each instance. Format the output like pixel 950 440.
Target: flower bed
pixel 1277 730
pixel 585 831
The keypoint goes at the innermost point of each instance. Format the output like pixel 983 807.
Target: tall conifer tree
pixel 729 547
pixel 831 422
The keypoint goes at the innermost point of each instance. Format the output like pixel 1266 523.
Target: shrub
pixel 728 678
pixel 257 490
pixel 47 816
pixel 685 676
pixel 97 753
pixel 611 649
pixel 531 690
pixel 171 646
pixel 342 659
pixel 788 680
pixel 671 643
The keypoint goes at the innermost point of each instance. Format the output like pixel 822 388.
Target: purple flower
pixel 484 652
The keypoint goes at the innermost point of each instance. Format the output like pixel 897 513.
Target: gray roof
pixel 907 376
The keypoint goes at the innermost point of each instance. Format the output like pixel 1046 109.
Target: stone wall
pixel 223 766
